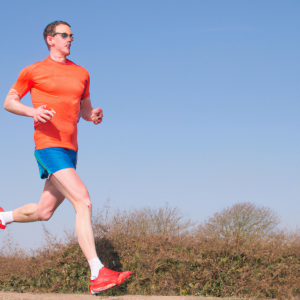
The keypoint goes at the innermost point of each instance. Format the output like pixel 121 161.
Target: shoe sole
pixel 102 289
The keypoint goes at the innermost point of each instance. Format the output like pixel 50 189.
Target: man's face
pixel 58 43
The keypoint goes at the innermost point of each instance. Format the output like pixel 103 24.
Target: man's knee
pixel 44 215
pixel 85 202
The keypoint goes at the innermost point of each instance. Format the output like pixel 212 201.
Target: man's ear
pixel 50 40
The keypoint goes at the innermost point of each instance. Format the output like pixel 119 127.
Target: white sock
pixel 6 217
pixel 95 265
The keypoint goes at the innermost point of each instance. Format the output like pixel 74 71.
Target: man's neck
pixel 58 58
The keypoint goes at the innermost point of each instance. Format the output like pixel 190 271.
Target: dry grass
pixel 238 252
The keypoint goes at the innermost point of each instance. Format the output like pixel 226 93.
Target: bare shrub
pixel 47 269
pixel 153 242
pixel 169 256
pixel 241 222
pixel 146 221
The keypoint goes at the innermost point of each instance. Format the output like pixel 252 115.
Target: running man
pixel 60 94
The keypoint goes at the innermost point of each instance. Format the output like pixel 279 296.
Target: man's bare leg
pixel 50 200
pixel 71 186
pixel 66 183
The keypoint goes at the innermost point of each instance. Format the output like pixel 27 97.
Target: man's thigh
pixel 71 186
pixel 50 200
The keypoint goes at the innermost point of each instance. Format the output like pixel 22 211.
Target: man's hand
pixel 42 115
pixel 90 114
pixel 97 115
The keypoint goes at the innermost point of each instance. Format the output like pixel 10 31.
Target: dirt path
pixel 25 296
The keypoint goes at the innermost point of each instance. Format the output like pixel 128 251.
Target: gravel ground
pixel 29 296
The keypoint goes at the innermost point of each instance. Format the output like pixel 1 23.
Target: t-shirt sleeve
pixel 24 82
pixel 86 92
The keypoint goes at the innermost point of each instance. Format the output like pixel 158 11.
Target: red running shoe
pixel 2 226
pixel 107 279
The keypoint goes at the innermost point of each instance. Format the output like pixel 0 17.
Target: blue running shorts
pixel 53 159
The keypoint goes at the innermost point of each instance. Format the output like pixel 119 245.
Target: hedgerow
pixel 169 255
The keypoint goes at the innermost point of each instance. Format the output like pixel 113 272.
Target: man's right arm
pixel 13 104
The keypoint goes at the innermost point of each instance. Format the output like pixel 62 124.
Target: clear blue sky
pixel 200 100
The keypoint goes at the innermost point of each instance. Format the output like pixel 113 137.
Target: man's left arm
pixel 89 113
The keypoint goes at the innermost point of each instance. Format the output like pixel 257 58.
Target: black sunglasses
pixel 64 35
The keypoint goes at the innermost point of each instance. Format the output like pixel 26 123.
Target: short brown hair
pixel 50 29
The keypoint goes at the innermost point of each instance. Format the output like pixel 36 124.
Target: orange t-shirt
pixel 60 86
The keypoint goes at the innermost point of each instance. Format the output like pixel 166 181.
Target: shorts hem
pixel 54 159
